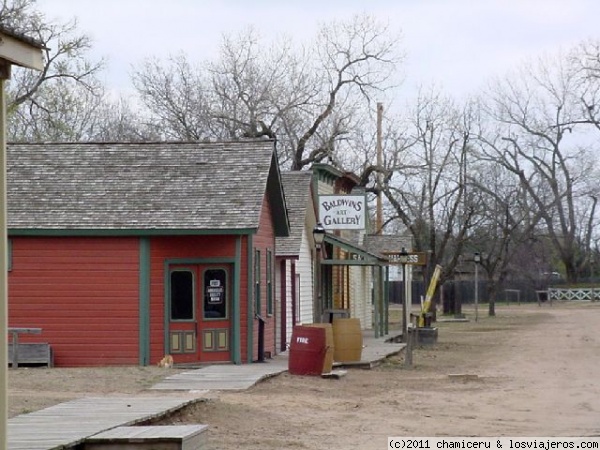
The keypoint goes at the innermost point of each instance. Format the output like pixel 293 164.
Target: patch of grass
pixel 392 363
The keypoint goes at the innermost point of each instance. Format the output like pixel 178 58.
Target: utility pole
pixel 476 260
pixel 379 220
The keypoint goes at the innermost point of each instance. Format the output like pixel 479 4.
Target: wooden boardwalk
pixel 237 377
pixel 375 350
pixel 223 376
pixel 70 423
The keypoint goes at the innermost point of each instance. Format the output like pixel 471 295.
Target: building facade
pixel 123 253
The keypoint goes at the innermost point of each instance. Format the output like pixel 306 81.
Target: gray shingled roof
pixel 383 243
pixel 142 186
pixel 296 186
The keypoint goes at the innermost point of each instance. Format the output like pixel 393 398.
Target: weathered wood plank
pixel 70 423
pixel 223 376
pixel 151 432
pixel 166 437
pixel 30 353
pixel 14 332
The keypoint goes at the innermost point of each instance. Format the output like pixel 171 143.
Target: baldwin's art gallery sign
pixel 343 212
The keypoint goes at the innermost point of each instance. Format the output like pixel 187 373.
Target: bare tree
pixel 67 112
pixel 65 53
pixel 60 111
pixel 178 98
pixel 306 98
pixel 360 57
pixel 117 120
pixel 538 114
pixel 429 194
pixel 259 91
pixel 65 101
pixel 502 226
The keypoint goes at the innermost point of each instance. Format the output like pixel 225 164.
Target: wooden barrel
pixel 328 361
pixel 307 351
pixel 347 340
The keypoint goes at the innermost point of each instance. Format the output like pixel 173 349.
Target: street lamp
pixel 403 259
pixel 319 236
pixel 476 260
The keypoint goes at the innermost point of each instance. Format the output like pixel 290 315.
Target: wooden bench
pixel 165 437
pixel 30 353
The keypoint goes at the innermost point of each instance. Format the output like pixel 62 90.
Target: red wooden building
pixel 125 252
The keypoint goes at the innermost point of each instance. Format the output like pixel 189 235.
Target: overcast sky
pixel 457 44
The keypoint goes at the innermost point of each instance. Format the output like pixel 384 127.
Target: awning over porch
pixel 342 252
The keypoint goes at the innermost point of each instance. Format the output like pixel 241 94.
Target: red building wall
pixel 83 292
pixel 207 247
pixel 178 247
pixel 265 241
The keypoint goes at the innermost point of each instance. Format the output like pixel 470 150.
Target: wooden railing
pixel 574 293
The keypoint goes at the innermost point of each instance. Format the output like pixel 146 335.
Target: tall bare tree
pixel 178 98
pixel 305 97
pixel 538 112
pixel 66 100
pixel 429 195
pixel 503 226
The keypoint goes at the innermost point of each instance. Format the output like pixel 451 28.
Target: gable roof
pixel 149 187
pixel 296 186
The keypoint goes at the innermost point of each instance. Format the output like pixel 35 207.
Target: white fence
pixel 591 294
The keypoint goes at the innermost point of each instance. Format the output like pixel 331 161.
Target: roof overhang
pixel 358 256
pixel 20 50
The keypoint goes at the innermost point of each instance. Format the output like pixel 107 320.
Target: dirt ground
pixel 529 371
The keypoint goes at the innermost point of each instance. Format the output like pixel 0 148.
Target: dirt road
pixel 529 371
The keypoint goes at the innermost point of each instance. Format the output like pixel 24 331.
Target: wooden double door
pixel 199 309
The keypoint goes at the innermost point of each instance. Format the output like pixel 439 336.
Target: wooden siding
pixel 361 295
pixel 304 268
pixel 84 294
pixel 324 189
pixel 263 241
pixel 288 272
pixel 282 302
pixel 284 270
pixel 245 297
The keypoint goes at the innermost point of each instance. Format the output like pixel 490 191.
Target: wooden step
pixel 165 437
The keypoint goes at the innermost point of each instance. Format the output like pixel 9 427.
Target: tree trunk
pixel 492 292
